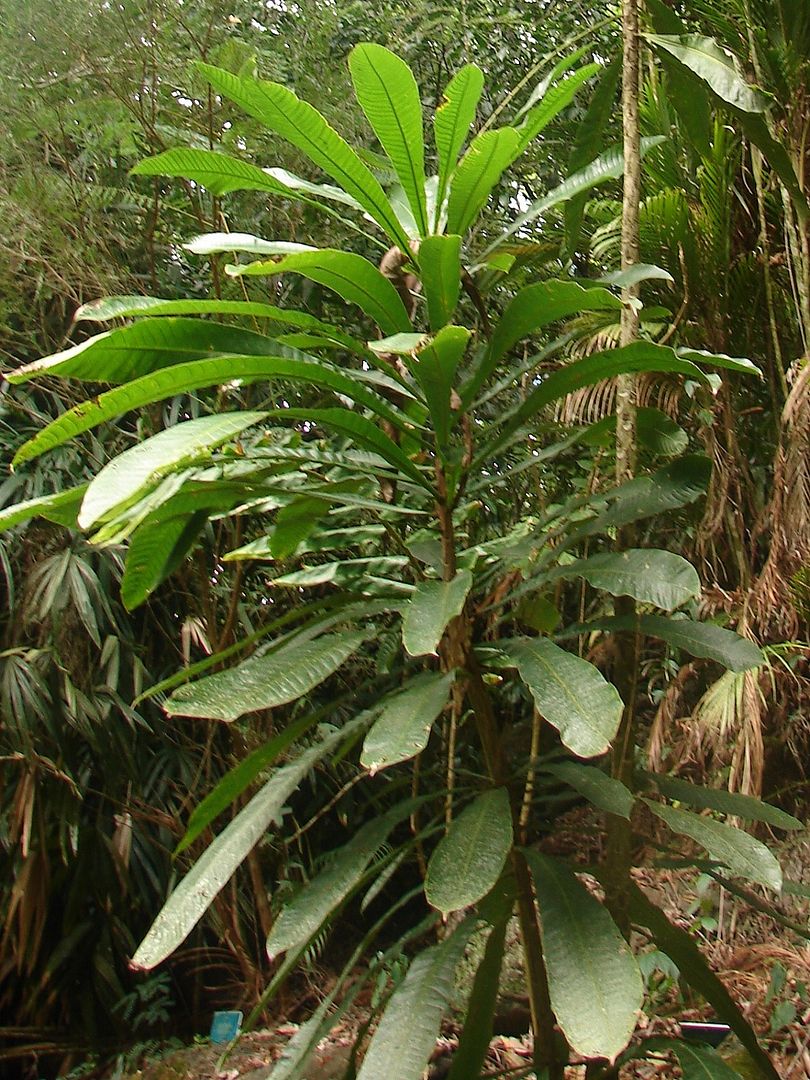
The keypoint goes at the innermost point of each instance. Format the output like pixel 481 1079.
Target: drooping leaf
pixel 184 378
pixel 714 66
pixel 569 692
pixel 534 307
pixel 403 727
pixel 222 174
pixel 697 638
pixel 343 572
pixel 639 356
pixel 727 802
pixel 452 121
pixel 155 552
pixel 440 270
pixel 303 126
pixel 655 431
pixel 696 1062
pixel 674 485
pixel 61 507
pixel 389 96
pixel 716 70
pixel 241 776
pixel 470 857
pixel 266 681
pixel 647 574
pixel 596 786
pixel 473 1044
pixel 301 919
pixel 434 367
pixel 682 949
pixel 594 982
pixel 116 307
pixel 129 475
pixel 349 275
pixel 430 609
pixel 406 1035
pixel 195 893
pixel 489 154
pixel 131 351
pixel 743 854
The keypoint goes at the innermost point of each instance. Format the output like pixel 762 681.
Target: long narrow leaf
pixel 303 126
pixel 349 275
pixel 195 893
pixel 389 96
pixel 266 681
pixel 452 121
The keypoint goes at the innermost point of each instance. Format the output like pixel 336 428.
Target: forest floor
pixel 765 967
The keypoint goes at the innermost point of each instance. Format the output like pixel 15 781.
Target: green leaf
pixel 155 552
pixel 406 1035
pixel 697 638
pixel 219 173
pixel 61 507
pixel 677 484
pixel 303 126
pixel 696 1062
pixel 264 682
pixel 341 572
pixel 532 309
pixel 361 431
pixel 608 166
pixel 655 431
pixel 714 66
pixel 195 893
pixel 587 142
pixel 732 363
pixel 469 859
pixel 116 307
pixel 222 174
pixel 440 270
pixel 556 98
pixel 389 96
pixel 744 855
pixel 647 574
pixel 473 1044
pixel 681 948
pixel 452 121
pixel 430 609
pixel 569 692
pixel 131 351
pixel 727 802
pixel 639 356
pixel 597 787
pixel 478 172
pixel 351 276
pixel 241 776
pixel 303 917
pixel 214 243
pixel 403 728
pixel 594 982
pixel 184 378
pixel 129 475
pixel 294 523
pixel 434 368
pixel 716 69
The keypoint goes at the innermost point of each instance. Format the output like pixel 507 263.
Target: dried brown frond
pixel 593 403
pixel 665 740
